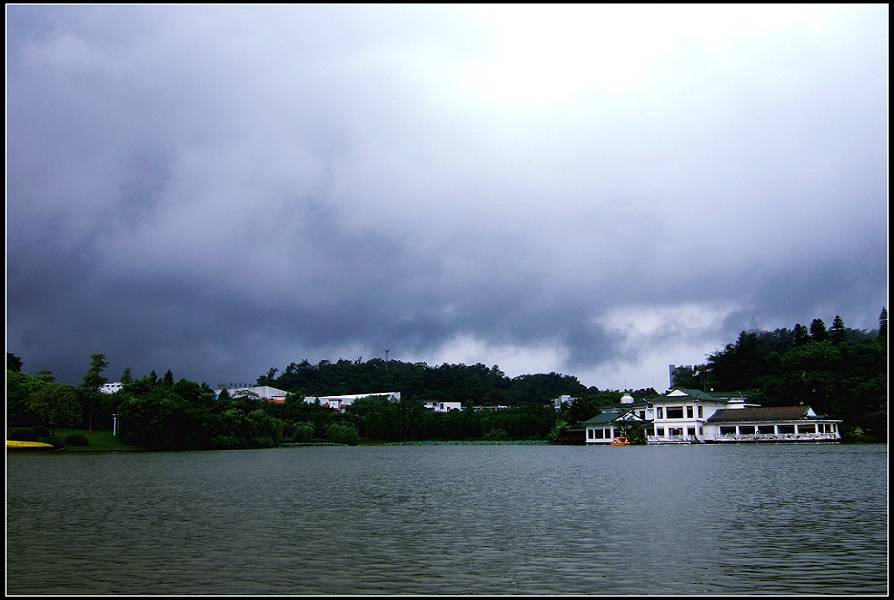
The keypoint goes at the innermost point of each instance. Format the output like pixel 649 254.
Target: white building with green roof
pixel 687 416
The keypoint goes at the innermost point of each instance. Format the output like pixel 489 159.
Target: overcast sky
pixel 594 190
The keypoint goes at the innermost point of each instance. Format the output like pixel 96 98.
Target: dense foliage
pixel 841 373
pixel 476 384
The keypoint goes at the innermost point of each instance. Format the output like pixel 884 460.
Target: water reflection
pixel 451 520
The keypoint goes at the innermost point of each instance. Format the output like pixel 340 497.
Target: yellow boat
pixel 620 441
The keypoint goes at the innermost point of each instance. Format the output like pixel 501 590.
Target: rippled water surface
pixel 451 520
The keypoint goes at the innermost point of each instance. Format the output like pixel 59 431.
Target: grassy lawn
pixel 100 439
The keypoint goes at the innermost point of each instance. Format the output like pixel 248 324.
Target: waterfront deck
pixel 774 438
pixel 654 440
pixel 757 438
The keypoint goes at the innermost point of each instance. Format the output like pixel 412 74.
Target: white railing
pixel 671 439
pixel 777 437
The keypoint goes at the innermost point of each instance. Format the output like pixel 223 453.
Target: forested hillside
pixel 840 372
pixel 476 384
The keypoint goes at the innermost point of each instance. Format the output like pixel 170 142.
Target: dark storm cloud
pixel 220 190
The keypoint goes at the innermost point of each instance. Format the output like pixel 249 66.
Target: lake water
pixel 491 519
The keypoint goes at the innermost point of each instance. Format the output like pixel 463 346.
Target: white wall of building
pixel 442 407
pixel 264 392
pixel 343 401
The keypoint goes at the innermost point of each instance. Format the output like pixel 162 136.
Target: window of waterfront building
pixel 674 412
pixel 785 428
pixel 701 414
pixel 765 429
pixel 727 430
pixel 660 412
pixel 689 412
pixel 659 431
pixel 807 428
pixel 590 434
pixel 746 429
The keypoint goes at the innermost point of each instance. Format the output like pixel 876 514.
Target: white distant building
pixel 443 407
pixel 111 387
pixel 264 392
pixel 563 399
pixel 345 400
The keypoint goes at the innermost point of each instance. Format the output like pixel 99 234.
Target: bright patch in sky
pixel 543 55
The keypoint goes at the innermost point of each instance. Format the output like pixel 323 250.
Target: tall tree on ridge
pixel 13 362
pixel 837 333
pixel 818 330
pixel 801 335
pixel 93 380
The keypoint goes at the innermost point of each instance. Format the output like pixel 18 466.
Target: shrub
pixel 41 431
pixel 304 432
pixel 497 435
pixel 24 435
pixel 228 442
pixel 343 434
pixel 53 440
pixel 76 439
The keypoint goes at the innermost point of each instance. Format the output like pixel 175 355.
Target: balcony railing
pixel 672 439
pixel 776 437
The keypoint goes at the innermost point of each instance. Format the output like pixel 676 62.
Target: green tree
pixel 694 378
pixel 46 376
pixel 194 393
pixel 93 380
pixel 342 433
pixel 558 431
pixel 126 377
pixel 634 431
pixel 19 387
pixel 818 331
pixel 801 335
pixel 838 332
pixel 303 432
pixel 269 378
pixel 376 418
pixel 168 380
pixel 56 406
pixel 13 362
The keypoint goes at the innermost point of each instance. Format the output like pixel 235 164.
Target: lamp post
pixel 114 424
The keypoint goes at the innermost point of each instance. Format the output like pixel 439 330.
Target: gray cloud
pixel 219 190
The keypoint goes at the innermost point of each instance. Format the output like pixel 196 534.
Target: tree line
pixel 840 372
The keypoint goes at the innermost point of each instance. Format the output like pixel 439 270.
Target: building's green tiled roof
pixel 760 413
pixel 603 417
pixel 701 395
pixel 611 416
